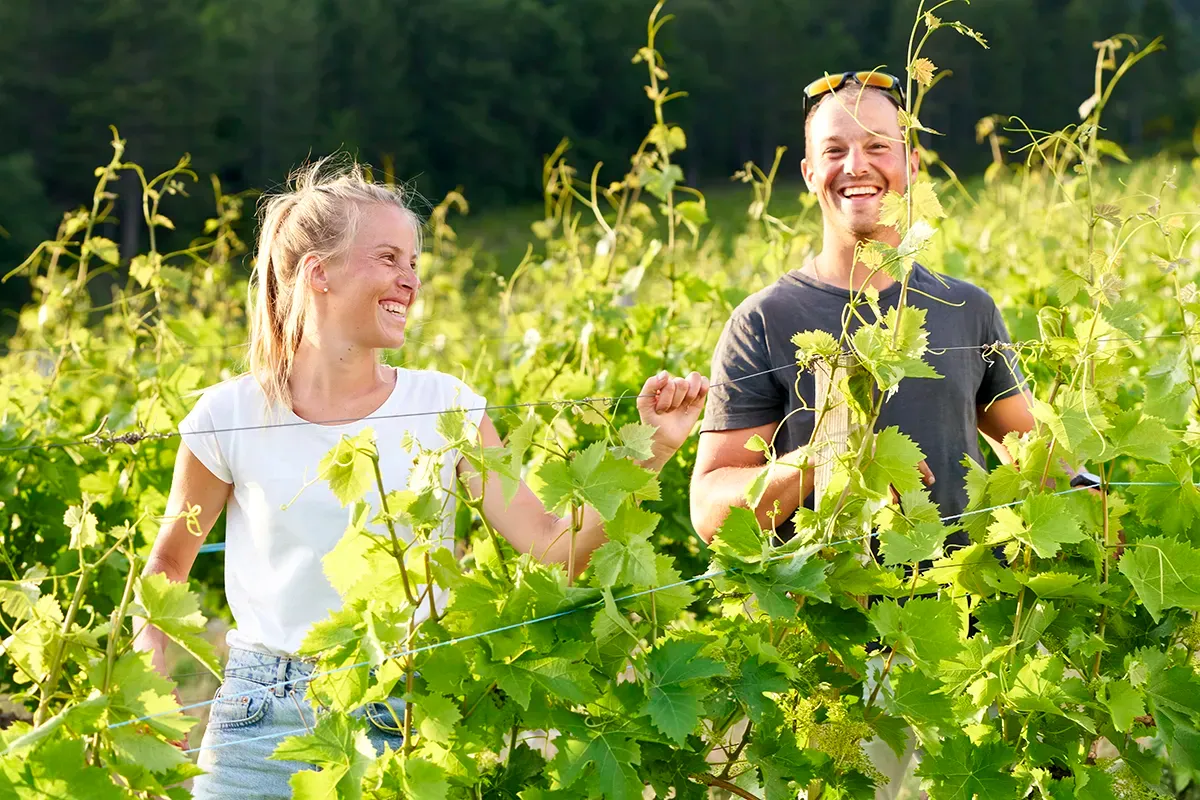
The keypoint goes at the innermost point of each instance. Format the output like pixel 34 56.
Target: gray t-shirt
pixel 940 415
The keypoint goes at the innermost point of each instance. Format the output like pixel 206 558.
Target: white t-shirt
pixel 274 581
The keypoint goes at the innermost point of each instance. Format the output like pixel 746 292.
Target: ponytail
pixel 317 217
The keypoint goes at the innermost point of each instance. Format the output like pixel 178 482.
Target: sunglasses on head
pixel 831 83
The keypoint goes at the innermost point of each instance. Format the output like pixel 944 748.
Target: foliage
pixel 1054 656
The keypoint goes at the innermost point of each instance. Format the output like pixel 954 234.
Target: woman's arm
pixel 672 405
pixel 175 549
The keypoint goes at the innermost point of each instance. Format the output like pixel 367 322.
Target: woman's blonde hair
pixel 316 216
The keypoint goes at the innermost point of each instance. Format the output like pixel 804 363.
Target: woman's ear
pixel 313 272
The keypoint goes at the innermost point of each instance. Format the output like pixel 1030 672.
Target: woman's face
pixel 371 291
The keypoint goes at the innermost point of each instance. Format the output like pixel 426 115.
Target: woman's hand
pixel 672 405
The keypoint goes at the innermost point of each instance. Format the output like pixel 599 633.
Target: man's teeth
pixel 395 308
pixel 859 191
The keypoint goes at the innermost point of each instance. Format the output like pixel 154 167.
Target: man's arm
pixel 725 468
pixel 1012 414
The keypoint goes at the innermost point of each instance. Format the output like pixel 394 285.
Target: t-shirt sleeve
pixel 1002 374
pixel 458 395
pixel 197 430
pixel 743 392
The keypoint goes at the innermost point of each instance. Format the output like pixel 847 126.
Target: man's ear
pixel 914 167
pixel 807 171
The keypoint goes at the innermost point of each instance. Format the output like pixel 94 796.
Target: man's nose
pixel 855 162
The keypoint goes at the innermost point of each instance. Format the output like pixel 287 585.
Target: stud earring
pixel 326 290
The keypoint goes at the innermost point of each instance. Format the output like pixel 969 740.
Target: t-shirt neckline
pixel 349 422
pixel 837 291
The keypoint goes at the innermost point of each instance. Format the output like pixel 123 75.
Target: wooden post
pixel 832 435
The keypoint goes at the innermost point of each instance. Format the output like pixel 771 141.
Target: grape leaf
pixel 963 770
pixel 175 611
pixel 1045 523
pixel 78 718
pixel 1142 437
pixel 637 441
pixel 758 676
pixel 436 716
pixel 739 540
pixel 145 750
pixel 894 463
pixel 674 710
pixel 919 699
pixel 677 661
pixel 1165 573
pixel 627 558
pixel 339 747
pixel 801 574
pixel 593 477
pixel 1124 703
pixel 614 757
pixel 1174 507
pixel 556 675
pixel 60 770
pixel 1060 584
pixel 137 690
pixel 349 468
pixel 912 544
pixel 83 527
pixel 925 629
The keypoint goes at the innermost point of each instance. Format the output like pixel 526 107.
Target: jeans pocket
pixel 238 703
pixel 386 718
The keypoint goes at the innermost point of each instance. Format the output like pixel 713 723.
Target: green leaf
pixel 1139 436
pixel 423 779
pixel 83 527
pixel 678 661
pixel 557 676
pixel 1052 585
pixel 814 344
pixel 349 467
pixel 593 477
pixel 912 544
pixel 1165 573
pixel 145 750
pixel 1045 523
pixel 175 611
pixel 739 540
pixel 1124 703
pixel 627 558
pixel 1036 686
pixel 966 771
pixel 894 463
pixel 613 756
pixel 79 719
pixel 801 574
pixel 674 709
pixel 919 699
pixel 925 629
pixel 637 441
pixel 60 770
pixel 104 249
pixel 660 183
pixel 756 678
pixel 1173 508
pixel 436 716
pixel 340 748
pixel 137 690
pixel 693 211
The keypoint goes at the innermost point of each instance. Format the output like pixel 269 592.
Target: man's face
pixel 855 155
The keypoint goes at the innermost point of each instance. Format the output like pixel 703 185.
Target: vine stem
pixel 721 783
pixel 738 751
pixel 1105 474
pixel 397 550
pixel 118 617
pixel 60 651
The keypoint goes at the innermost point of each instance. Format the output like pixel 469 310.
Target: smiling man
pixel 854 155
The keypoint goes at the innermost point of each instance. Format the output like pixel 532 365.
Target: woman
pixel 334 278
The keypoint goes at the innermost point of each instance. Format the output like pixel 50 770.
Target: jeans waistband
pixel 279 672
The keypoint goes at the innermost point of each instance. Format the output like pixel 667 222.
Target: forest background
pixel 473 94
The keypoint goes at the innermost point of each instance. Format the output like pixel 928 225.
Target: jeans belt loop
pixel 280 677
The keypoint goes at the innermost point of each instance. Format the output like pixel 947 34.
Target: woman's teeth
pixel 398 309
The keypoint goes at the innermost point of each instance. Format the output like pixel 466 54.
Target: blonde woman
pixel 334 279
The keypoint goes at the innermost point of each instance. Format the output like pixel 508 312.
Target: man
pixel 854 154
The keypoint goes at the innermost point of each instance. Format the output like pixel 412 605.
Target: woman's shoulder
pixel 435 385
pixel 227 397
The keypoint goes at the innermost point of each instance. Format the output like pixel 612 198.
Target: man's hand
pixel 672 405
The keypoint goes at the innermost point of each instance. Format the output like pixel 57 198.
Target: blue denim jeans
pixel 248 720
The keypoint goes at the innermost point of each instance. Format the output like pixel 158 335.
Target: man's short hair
pixel 855 89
